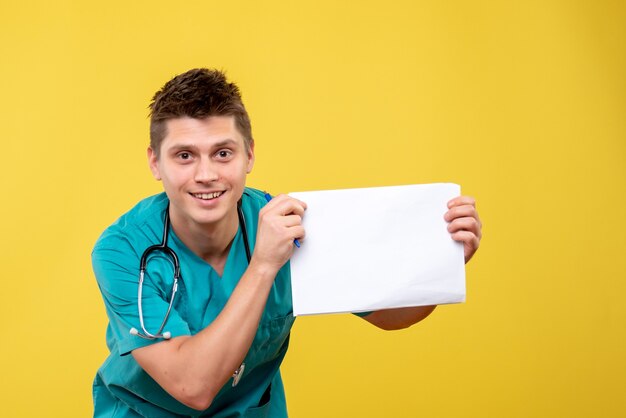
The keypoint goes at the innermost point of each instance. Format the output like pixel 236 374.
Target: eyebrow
pixel 225 142
pixel 181 147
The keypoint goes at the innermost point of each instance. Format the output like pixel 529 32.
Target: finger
pixel 285 205
pixel 297 232
pixel 282 208
pixel 299 201
pixel 289 221
pixel 275 201
pixel 467 238
pixel 465 224
pixel 461 212
pixel 462 200
pixel 283 197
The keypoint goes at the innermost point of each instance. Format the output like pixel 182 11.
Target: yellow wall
pixel 522 103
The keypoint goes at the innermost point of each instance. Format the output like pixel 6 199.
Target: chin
pixel 208 218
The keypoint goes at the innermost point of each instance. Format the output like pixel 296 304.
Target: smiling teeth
pixel 207 196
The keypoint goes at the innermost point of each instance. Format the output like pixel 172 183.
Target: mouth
pixel 207 196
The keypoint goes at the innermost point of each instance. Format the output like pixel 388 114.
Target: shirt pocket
pixel 258 412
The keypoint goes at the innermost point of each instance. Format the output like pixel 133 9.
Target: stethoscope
pixel 162 247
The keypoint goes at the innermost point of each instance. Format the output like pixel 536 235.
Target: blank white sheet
pixel 376 248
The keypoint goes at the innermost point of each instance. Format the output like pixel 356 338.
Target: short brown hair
pixel 198 93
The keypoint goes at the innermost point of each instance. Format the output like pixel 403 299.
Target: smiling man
pixel 195 280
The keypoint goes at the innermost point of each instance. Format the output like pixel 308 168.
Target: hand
pixel 464 224
pixel 280 222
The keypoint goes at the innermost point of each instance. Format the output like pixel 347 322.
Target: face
pixel 203 165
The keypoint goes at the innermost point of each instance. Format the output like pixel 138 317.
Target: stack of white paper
pixel 376 248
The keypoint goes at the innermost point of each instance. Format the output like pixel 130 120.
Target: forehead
pixel 201 132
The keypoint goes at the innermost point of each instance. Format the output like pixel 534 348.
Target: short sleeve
pixel 116 266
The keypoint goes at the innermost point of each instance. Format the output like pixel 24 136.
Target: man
pixel 211 343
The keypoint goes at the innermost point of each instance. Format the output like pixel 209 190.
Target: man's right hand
pixel 194 368
pixel 280 223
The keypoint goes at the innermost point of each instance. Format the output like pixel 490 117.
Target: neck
pixel 210 242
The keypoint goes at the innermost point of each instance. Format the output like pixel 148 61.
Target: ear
pixel 153 162
pixel 250 157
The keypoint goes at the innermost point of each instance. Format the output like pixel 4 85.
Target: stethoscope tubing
pixel 168 251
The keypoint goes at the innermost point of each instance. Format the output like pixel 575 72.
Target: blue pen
pixel 268 197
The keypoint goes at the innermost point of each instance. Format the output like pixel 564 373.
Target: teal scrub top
pixel 121 387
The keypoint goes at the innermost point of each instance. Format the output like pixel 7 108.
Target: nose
pixel 205 172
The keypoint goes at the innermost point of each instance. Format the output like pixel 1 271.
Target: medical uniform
pixel 121 387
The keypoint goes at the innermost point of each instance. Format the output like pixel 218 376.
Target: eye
pixel 224 154
pixel 184 155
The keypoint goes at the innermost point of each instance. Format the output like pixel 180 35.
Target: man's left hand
pixel 464 224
